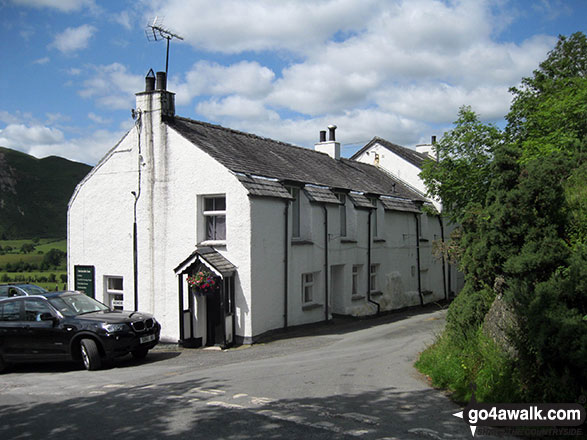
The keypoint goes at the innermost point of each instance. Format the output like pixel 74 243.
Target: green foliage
pixel 461 176
pixel 456 361
pixel 523 233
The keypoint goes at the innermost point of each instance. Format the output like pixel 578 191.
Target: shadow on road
pixel 62 367
pixel 202 409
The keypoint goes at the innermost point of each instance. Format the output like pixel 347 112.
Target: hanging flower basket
pixel 204 283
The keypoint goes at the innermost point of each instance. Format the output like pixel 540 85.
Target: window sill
pixel 376 293
pixel 300 242
pixel 424 240
pixel 212 243
pixel 311 306
pixel 379 240
pixel 357 297
pixel 348 240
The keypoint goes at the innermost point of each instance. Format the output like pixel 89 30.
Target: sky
pixel 284 69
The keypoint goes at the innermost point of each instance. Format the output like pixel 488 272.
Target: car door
pixel 44 339
pixel 11 344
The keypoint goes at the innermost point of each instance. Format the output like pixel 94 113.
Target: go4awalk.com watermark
pixel 564 418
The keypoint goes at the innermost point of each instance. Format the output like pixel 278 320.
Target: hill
pixel 34 194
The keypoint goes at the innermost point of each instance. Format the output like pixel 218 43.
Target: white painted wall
pixel 397 166
pixel 100 219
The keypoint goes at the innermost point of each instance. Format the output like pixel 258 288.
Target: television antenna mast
pixel 156 32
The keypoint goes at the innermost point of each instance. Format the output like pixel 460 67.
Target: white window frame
pixel 308 286
pixel 114 294
pixel 213 214
pixel 356 279
pixel 373 274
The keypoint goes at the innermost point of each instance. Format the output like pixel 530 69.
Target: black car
pixel 20 289
pixel 59 326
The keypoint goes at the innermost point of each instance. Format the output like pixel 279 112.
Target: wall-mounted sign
pixel 84 277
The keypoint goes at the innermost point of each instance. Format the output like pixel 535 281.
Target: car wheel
pixel 140 353
pixel 90 355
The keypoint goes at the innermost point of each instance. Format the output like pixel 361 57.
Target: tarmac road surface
pixel 344 380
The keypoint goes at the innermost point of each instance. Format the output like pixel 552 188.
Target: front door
pixel 214 334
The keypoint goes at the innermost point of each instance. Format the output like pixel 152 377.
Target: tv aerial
pixel 156 32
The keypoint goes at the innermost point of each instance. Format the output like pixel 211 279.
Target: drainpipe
pixel 369 263
pixel 443 262
pixel 416 216
pixel 137 194
pixel 326 309
pixel 286 264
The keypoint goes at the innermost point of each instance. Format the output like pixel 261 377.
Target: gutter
pixel 416 216
pixel 369 263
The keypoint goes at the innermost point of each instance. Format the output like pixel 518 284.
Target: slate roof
pixel 252 155
pixel 321 195
pixel 394 204
pixel 209 257
pixel 264 187
pixel 408 154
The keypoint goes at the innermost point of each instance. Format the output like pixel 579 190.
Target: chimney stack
pixel 156 97
pixel 330 146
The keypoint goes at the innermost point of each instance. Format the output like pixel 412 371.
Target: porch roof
pixel 210 258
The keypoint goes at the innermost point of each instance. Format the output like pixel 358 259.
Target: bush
pixel 457 362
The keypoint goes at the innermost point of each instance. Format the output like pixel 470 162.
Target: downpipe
pixel 416 216
pixel 326 287
pixel 286 265
pixel 369 264
pixel 443 261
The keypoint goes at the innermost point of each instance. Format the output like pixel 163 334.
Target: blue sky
pixel 283 69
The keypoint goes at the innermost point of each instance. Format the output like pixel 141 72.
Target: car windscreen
pixel 32 289
pixel 72 305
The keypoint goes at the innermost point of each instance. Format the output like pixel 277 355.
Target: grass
pixel 35 257
pixel 456 363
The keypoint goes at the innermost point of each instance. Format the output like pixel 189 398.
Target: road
pixel 348 380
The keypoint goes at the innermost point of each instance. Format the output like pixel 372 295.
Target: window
pixel 295 213
pixel 374 232
pixel 342 210
pixel 34 308
pixel 10 311
pixel 356 277
pixel 215 215
pixel 115 293
pixel 307 288
pixel 373 275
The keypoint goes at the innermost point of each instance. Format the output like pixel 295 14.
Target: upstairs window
pixel 342 210
pixel 215 218
pixel 295 213
pixel 356 279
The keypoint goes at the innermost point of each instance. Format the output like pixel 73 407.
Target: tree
pixel 525 222
pixel 27 248
pixel 461 176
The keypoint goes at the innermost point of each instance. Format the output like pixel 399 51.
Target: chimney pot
pixel 331 130
pixel 161 81
pixel 433 140
pixel 150 81
pixel 322 135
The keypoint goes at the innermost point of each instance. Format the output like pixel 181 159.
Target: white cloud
pixel 233 26
pixel 236 107
pixel 42 61
pixel 42 141
pixel 73 39
pixel 60 5
pixel 112 86
pixel 98 119
pixel 249 79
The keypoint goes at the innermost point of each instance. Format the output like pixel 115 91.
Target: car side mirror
pixel 49 317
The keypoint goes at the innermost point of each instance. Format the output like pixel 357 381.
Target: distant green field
pixel 38 278
pixel 35 258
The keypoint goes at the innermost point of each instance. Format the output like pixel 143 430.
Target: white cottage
pixel 291 235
